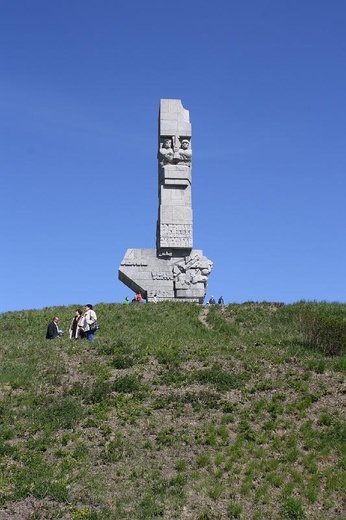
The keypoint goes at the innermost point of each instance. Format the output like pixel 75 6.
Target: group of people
pixel 83 325
pixel 138 298
pixel 213 302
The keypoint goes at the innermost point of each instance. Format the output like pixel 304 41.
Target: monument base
pixel 178 278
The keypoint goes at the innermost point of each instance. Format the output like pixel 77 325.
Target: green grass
pixel 165 416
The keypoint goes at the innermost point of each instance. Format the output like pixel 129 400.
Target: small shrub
pixel 166 437
pixel 216 491
pixel 99 392
pixel 180 465
pixel 113 347
pixel 325 419
pixel 202 400
pixel 59 413
pixel 150 506
pixel 114 451
pixel 85 513
pixel 318 365
pixel 292 509
pixel 326 334
pixel 128 384
pixel 122 361
pixel 339 364
pixel 172 376
pixel 168 356
pixel 223 381
pixel 234 510
pixel 203 460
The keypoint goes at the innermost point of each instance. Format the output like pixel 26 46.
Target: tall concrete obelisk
pixel 174 271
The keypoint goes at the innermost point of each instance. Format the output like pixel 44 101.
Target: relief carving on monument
pixel 165 154
pixel 180 153
pixel 191 271
pixel 184 154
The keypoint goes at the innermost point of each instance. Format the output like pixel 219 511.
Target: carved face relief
pixel 167 143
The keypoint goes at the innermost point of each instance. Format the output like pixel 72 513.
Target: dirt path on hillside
pixel 203 317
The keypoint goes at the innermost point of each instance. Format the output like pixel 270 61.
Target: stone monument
pixel 174 270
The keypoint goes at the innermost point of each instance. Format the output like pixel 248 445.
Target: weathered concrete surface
pixel 174 270
pixel 173 278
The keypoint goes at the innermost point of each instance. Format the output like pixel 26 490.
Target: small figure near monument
pixel 212 300
pixel 220 301
pixel 138 298
pixel 126 301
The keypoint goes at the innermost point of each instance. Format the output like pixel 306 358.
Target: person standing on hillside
pixel 138 297
pixel 87 321
pixel 53 330
pixel 75 330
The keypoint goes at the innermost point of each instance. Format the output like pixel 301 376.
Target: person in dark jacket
pixel 75 330
pixel 53 328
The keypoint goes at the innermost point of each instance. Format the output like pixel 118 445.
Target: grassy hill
pixel 177 412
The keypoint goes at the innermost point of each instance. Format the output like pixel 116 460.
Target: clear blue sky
pixel 80 84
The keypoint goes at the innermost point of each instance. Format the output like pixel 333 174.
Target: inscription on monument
pixel 176 230
pixel 180 242
pixel 163 275
pixel 138 263
pixel 176 235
